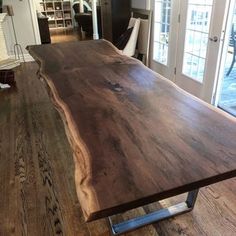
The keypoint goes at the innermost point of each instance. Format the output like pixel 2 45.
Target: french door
pixel 165 34
pixel 194 44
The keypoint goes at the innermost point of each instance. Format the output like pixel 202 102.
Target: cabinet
pixel 115 16
pixel 44 30
pixel 58 12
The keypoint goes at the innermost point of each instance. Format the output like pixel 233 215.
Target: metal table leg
pixel 156 216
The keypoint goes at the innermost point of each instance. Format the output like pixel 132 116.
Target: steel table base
pixel 156 216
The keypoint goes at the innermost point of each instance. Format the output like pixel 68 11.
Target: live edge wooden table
pixel 136 138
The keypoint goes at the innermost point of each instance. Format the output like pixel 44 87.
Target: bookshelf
pixel 58 12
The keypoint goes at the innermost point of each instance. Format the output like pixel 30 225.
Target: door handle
pixel 214 39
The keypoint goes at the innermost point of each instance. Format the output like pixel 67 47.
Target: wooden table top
pixel 136 138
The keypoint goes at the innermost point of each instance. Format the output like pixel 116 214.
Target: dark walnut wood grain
pixel 136 138
pixel 37 199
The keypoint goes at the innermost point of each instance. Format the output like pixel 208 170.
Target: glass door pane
pixel 196 38
pixel 227 100
pixel 161 30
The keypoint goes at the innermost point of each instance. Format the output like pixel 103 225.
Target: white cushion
pixel 130 47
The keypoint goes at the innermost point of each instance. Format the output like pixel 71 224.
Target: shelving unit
pixel 59 13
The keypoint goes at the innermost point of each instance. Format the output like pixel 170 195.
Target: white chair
pixel 130 47
pixel 145 17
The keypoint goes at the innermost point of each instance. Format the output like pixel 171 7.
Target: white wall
pixel 141 4
pixel 23 24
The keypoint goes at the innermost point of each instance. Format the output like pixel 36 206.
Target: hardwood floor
pixel 37 188
pixel 67 35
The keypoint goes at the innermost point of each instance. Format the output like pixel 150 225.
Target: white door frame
pixel 34 21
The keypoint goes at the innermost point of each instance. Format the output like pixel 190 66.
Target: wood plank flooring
pixel 37 188
pixel 67 35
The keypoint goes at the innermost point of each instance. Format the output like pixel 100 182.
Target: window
pixel 161 30
pixel 196 38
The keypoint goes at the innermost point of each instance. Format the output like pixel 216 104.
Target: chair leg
pixel 233 61
pixel 231 67
pixel 140 57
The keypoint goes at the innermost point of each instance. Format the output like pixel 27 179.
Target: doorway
pixel 60 20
